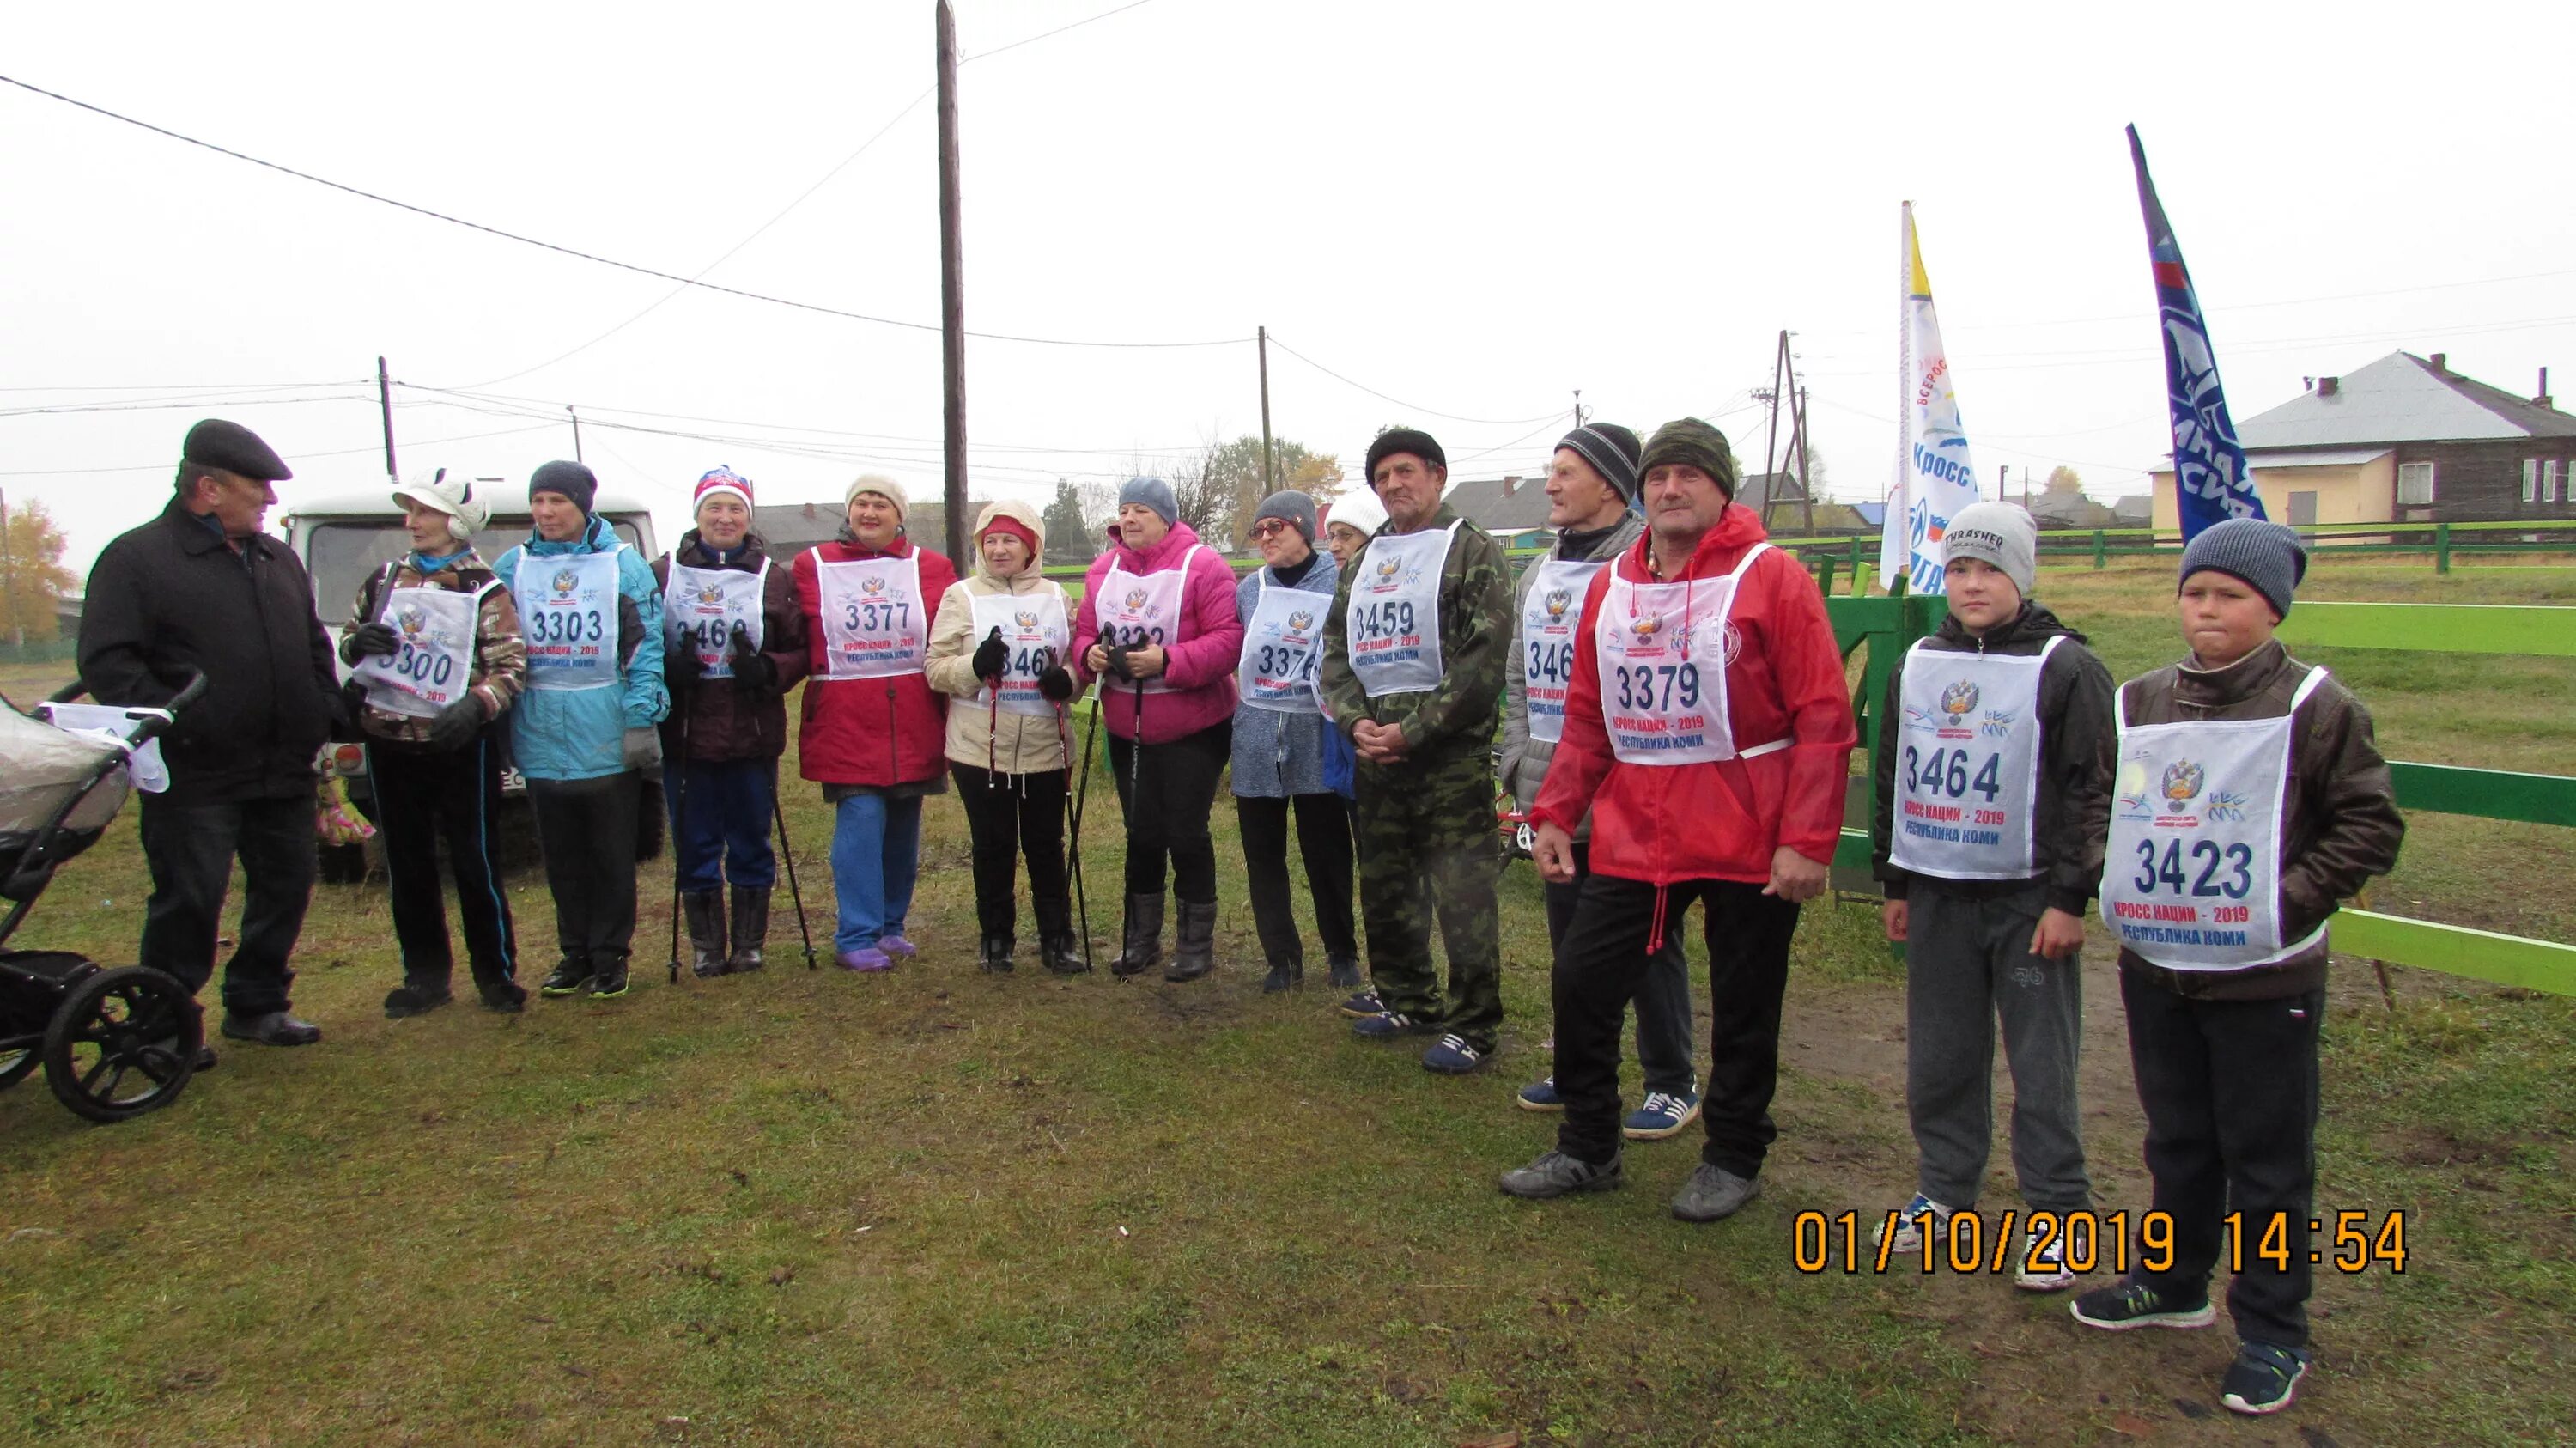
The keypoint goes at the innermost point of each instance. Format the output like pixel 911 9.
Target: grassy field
pixel 945 1207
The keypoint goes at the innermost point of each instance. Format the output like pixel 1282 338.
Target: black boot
pixel 1143 948
pixel 1062 954
pixel 608 975
pixel 996 954
pixel 704 910
pixel 750 927
pixel 1346 972
pixel 501 993
pixel 418 995
pixel 1287 974
pixel 1195 954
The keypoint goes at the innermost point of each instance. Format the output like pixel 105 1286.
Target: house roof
pixel 1874 514
pixel 792 527
pixel 1755 490
pixel 1500 505
pixel 2401 398
pixel 2339 457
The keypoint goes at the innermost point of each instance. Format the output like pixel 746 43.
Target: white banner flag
pixel 1934 476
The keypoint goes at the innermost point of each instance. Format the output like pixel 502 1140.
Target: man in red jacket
pixel 1709 732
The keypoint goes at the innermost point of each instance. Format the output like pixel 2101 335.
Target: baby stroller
pixel 115 1043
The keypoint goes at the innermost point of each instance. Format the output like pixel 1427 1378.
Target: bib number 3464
pixel 1952 772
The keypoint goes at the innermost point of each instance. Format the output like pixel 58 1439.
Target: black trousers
pixel 2230 1093
pixel 420 797
pixel 1011 817
pixel 191 848
pixel 1663 991
pixel 587 829
pixel 1167 816
pixel 1324 838
pixel 1598 966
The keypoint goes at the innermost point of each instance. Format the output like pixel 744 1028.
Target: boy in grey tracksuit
pixel 2002 751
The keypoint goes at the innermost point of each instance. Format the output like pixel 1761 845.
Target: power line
pixel 169 463
pixel 578 254
pixel 1400 402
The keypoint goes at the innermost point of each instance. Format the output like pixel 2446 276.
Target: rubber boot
pixel 750 927
pixel 1195 954
pixel 1062 954
pixel 1143 947
pixel 704 911
pixel 996 954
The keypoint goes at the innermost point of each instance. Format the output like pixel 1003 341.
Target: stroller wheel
pixel 123 1042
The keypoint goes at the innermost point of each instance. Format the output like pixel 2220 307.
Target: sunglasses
pixel 1268 528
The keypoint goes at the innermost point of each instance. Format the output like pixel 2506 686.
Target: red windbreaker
pixel 869 731
pixel 1784 680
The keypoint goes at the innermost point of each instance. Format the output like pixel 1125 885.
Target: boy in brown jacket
pixel 2248 803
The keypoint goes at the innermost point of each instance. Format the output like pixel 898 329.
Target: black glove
pixel 681 668
pixel 455 726
pixel 992 656
pixel 369 640
pixel 353 710
pixel 755 676
pixel 1055 683
pixel 1117 659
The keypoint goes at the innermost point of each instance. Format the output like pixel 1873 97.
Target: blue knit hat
pixel 1154 493
pixel 2267 557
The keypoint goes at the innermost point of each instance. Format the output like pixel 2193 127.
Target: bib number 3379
pixel 1657 688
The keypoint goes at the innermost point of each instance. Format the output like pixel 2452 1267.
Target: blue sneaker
pixel 1920 1215
pixel 2263 1378
pixel 1663 1114
pixel 1364 1005
pixel 1540 1096
pixel 1385 1026
pixel 1452 1056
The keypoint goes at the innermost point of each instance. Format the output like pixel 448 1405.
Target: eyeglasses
pixel 1267 529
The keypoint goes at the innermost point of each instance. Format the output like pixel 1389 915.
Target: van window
pixel 340 555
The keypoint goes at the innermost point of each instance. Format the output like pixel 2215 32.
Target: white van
pixel 343 538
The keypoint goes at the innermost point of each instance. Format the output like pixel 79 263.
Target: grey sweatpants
pixel 1966 963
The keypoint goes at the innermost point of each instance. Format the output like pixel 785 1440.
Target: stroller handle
pixel 147 727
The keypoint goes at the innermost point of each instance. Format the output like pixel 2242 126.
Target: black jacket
pixel 172 596
pixel 2076 743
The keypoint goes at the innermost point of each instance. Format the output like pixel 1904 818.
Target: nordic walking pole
pixel 679 826
pixel 992 719
pixel 787 853
pixel 1082 791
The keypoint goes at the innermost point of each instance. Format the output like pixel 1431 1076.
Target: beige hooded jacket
pixel 1018 743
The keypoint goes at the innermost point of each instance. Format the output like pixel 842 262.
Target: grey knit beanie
pixel 2268 557
pixel 1292 508
pixel 1154 493
pixel 1612 451
pixel 1998 533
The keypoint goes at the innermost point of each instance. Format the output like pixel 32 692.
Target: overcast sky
pixel 1471 208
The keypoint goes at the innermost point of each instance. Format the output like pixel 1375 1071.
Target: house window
pixel 2414 484
pixel 2531 480
pixel 2549 481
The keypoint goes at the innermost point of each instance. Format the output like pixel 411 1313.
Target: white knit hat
pixel 1356 508
pixel 450 492
pixel 879 484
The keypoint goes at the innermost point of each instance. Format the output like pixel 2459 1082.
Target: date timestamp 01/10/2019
pixel 2114 1241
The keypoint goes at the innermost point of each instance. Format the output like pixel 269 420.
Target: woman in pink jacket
pixel 1158 626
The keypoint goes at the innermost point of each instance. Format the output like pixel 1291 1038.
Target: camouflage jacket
pixel 500 653
pixel 1475 635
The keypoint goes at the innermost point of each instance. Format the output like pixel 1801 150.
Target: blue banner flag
pixel 2211 481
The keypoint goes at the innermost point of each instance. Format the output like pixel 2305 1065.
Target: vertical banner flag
pixel 1934 478
pixel 2211 481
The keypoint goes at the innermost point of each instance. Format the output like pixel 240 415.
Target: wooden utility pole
pixel 1269 470
pixel 385 404
pixel 2003 480
pixel 9 574
pixel 1578 407
pixel 576 431
pixel 952 294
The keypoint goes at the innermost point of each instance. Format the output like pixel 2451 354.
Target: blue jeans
pixel 876 856
pixel 720 815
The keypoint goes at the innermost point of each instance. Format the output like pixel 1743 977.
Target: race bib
pixel 1968 777
pixel 1136 609
pixel 568 614
pixel 1551 610
pixel 435 664
pixel 1283 649
pixel 875 622
pixel 1391 625
pixel 1033 629
pixel 1661 651
pixel 701 607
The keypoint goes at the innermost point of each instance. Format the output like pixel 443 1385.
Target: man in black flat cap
pixel 201 588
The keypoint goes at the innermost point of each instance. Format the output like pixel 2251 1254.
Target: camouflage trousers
pixel 1425 831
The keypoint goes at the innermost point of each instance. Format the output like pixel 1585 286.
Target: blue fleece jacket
pixel 581 733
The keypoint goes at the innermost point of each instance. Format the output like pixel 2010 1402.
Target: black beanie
pixel 1404 440
pixel 1611 450
pixel 570 479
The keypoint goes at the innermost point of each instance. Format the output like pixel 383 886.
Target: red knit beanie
pixel 1005 523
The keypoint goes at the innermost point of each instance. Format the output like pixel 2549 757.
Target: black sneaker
pixel 2263 1378
pixel 502 994
pixel 566 979
pixel 1555 1174
pixel 1363 1005
pixel 1346 972
pixel 609 981
pixel 2124 1305
pixel 416 998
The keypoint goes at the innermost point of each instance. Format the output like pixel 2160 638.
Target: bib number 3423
pixel 2208 869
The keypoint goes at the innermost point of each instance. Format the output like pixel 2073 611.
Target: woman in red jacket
pixel 873 731
pixel 1166 603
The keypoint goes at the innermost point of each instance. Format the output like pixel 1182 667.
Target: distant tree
pixel 32 576
pixel 2063 479
pixel 1069 538
pixel 1220 486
